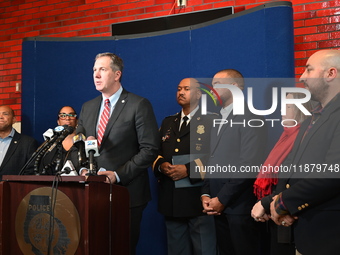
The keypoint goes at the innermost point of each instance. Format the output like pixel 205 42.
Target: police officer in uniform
pixel 185 142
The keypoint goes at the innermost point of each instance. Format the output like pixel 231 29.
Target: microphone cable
pixel 53 200
pixel 110 215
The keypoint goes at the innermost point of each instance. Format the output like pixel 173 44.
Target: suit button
pixel 176 150
pixel 299 208
pixel 199 139
pixel 178 140
pixel 287 186
pixel 306 204
pixel 303 206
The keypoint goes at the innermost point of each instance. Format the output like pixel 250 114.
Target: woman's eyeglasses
pixel 65 115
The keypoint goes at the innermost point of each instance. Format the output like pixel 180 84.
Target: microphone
pixel 91 150
pixel 68 169
pixel 48 134
pixel 63 131
pixel 46 146
pixel 79 143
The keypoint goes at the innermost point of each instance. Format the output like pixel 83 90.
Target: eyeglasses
pixel 65 115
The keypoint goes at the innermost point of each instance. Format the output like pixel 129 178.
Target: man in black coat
pixel 16 148
pixel 185 143
pixel 310 197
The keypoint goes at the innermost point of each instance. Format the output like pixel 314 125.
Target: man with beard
pixel 185 139
pixel 16 149
pixel 310 197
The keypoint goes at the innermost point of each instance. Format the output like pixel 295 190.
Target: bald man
pixel 186 133
pixel 310 198
pixel 15 148
pixel 229 196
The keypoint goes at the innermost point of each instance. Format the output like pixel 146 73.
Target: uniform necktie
pixel 104 119
pixel 184 123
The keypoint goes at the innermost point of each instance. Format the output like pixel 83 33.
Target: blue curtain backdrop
pixel 58 71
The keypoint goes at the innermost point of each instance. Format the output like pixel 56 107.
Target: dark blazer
pixel 130 142
pixel 194 140
pixel 19 152
pixel 236 146
pixel 315 196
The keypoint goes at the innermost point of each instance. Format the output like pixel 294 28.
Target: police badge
pixel 200 129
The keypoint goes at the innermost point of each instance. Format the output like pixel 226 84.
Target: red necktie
pixel 104 119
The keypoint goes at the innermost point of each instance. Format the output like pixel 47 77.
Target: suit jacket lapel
pixel 123 99
pixel 217 138
pixel 93 118
pixel 304 140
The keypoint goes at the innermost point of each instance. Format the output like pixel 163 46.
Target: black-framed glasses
pixel 65 115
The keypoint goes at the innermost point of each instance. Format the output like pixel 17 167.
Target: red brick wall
pixel 317 26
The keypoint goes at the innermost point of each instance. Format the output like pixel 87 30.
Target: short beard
pixel 320 92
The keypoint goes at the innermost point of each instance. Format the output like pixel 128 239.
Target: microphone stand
pixel 38 159
pixel 37 156
pixel 58 159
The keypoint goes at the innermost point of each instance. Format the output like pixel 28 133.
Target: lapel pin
pixel 123 101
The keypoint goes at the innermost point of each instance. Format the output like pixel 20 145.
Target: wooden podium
pixel 83 215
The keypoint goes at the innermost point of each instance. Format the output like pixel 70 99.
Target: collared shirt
pixel 225 112
pixel 316 114
pixel 4 144
pixel 113 101
pixel 192 113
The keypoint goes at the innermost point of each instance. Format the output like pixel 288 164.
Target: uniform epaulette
pixel 171 115
pixel 213 113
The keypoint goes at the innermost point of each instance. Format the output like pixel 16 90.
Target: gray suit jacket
pixel 130 142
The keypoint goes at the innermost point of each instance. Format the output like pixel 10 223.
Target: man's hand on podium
pixel 111 176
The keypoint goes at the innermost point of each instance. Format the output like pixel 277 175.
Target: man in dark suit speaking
pixel 126 129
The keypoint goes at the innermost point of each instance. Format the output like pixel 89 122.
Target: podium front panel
pixel 82 214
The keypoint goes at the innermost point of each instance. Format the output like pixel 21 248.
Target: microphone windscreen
pixel 69 169
pixel 79 138
pixel 48 134
pixel 80 129
pixel 91 145
pixel 69 129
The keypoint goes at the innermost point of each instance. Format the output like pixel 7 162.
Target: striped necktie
pixel 104 119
